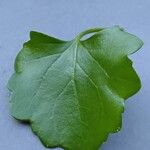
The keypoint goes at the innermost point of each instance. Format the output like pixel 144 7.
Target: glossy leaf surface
pixel 72 92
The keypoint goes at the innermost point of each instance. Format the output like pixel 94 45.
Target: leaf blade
pixel 73 92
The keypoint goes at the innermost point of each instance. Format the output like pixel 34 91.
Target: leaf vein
pixel 100 66
pixel 44 74
pixel 75 88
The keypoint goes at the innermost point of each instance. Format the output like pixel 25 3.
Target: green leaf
pixel 72 92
